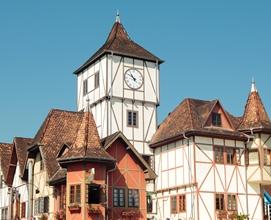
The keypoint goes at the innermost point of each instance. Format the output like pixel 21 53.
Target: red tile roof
pixel 75 129
pixel 190 116
pixel 87 145
pixel 255 115
pixel 21 145
pixel 119 42
pixel 5 157
pixel 59 128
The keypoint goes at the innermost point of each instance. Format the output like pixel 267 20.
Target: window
pixel 149 203
pixel 230 155
pixel 219 201
pixel 62 197
pixel 216 119
pixel 173 204
pixel 132 118
pixel 96 80
pixel 133 198
pixel 232 202
pixel 218 151
pixel 267 157
pixel 119 197
pixel 23 210
pixel 85 87
pixel 182 206
pixel 4 213
pixel 93 194
pixel 75 194
pixel 41 205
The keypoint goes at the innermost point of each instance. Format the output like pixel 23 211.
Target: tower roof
pixel 87 145
pixel 255 115
pixel 119 42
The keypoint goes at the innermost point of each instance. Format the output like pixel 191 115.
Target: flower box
pixel 74 207
pixel 94 209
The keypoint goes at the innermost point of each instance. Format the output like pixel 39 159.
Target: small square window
pixel 232 202
pixel 219 202
pixel 75 194
pixel 133 198
pixel 218 154
pixel 231 155
pixel 216 119
pixel 85 87
pixel 94 194
pixel 173 204
pixel 182 203
pixel 132 118
pixel 119 197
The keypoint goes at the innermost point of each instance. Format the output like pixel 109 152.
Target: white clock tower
pixel 120 82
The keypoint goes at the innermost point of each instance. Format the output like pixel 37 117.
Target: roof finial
pixel 253 85
pixel 118 17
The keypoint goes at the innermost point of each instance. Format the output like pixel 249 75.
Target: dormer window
pixel 216 119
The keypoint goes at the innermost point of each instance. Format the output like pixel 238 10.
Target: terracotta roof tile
pixel 5 157
pixel 59 176
pixel 21 144
pixel 255 115
pixel 191 115
pixel 120 43
pixel 87 144
pixel 59 128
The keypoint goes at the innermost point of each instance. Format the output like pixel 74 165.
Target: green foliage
pixel 241 216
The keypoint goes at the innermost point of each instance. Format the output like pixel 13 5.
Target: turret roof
pixel 119 42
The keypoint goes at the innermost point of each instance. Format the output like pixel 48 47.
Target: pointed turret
pixel 118 42
pixel 87 145
pixel 255 115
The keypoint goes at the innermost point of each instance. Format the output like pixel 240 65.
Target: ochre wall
pixel 128 174
pixel 77 174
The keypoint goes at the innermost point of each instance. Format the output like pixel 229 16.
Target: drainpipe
pixel 107 188
pixel 251 136
pixel 30 189
pixel 10 189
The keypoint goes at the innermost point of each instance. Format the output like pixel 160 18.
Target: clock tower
pixel 120 83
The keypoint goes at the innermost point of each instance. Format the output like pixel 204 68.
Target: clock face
pixel 133 79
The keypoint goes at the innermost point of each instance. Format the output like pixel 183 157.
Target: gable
pixel 124 157
pixel 218 118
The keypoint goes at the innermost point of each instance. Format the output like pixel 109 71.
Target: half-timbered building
pixel 72 174
pixel 210 164
pixel 5 156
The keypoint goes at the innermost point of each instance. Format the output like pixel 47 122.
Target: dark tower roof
pixel 255 115
pixel 119 42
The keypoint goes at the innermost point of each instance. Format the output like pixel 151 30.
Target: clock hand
pixel 132 77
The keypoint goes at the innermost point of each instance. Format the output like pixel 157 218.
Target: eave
pixel 104 52
pixel 203 133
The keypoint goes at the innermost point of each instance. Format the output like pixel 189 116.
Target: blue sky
pixel 212 50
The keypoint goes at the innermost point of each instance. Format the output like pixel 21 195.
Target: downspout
pixel 251 136
pixel 10 189
pixel 107 189
pixel 30 190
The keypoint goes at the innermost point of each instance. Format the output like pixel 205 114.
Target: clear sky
pixel 212 50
